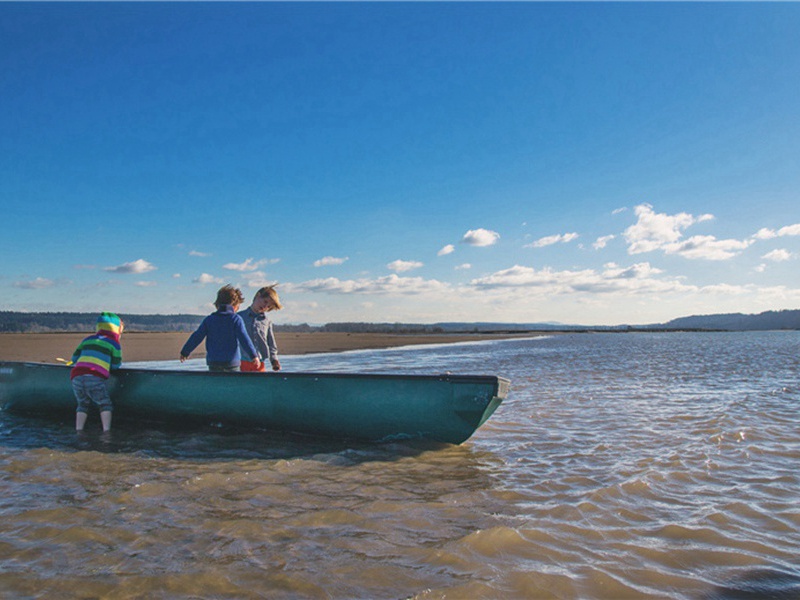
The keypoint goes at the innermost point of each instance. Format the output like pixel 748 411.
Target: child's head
pixel 110 325
pixel 229 295
pixel 267 299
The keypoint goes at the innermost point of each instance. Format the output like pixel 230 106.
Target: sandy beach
pixel 46 347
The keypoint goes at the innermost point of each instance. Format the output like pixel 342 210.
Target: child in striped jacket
pixel 93 360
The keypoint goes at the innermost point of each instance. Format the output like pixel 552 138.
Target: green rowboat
pixel 445 408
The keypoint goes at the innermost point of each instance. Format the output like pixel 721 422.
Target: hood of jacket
pixel 109 325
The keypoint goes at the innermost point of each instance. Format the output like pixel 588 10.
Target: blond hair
pixel 270 292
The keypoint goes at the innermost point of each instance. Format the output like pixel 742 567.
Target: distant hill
pixel 770 320
pixel 22 322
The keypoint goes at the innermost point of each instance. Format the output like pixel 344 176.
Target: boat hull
pixel 445 408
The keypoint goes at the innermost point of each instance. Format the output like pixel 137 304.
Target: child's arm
pixel 116 359
pixel 76 354
pixel 245 342
pixel 273 349
pixel 193 341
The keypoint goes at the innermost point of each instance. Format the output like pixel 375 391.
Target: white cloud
pixel 136 267
pixel 602 242
pixel 463 267
pixel 206 278
pixel 198 253
pixel 145 283
pixel 637 271
pixel 517 276
pixel 779 255
pixel 390 284
pixel 449 249
pixel 330 260
pixel 768 234
pixel 480 237
pixel 638 278
pixel 401 266
pixel 707 247
pixel 653 231
pixel 257 279
pixel 553 239
pixel 39 283
pixel 789 230
pixel 725 289
pixel 250 264
pixel 659 231
pixel 765 234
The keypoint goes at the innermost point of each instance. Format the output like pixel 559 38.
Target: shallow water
pixel 620 466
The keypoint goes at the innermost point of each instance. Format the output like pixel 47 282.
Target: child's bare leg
pixel 105 419
pixel 80 420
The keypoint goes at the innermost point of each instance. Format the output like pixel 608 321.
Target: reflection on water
pixel 620 466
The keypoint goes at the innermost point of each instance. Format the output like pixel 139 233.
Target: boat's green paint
pixel 445 408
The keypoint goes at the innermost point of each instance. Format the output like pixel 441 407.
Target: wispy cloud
pixel 768 234
pixel 135 267
pixel 206 278
pixel 464 267
pixel 330 261
pixel 256 279
pixel 562 238
pixel 390 284
pixel 480 237
pixel 198 253
pixel 250 264
pixel 707 247
pixel 449 249
pixel 145 283
pixel 779 255
pixel 602 242
pixel 638 278
pixel 401 266
pixel 39 283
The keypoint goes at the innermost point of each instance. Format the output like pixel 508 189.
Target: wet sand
pixel 46 347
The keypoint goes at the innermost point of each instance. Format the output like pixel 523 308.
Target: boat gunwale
pixel 501 382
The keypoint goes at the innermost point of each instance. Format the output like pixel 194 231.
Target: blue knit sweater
pixel 223 331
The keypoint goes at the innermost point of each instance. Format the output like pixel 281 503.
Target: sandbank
pixel 144 346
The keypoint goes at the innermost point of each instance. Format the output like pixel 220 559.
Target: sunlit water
pixel 620 466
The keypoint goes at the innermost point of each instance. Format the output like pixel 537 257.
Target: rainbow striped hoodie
pixel 98 354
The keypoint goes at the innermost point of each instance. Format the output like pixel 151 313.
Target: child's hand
pixel 183 358
pixel 276 365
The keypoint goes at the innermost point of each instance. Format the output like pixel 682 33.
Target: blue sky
pixel 417 162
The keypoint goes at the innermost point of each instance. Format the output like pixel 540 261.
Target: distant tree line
pixel 44 322
pixel 23 322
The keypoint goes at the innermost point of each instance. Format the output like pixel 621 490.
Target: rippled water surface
pixel 620 466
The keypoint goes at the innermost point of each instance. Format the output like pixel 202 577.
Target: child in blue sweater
pixel 223 331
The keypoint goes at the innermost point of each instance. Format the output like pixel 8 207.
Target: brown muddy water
pixel 621 466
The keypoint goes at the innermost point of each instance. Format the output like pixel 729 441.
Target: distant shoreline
pixel 147 346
